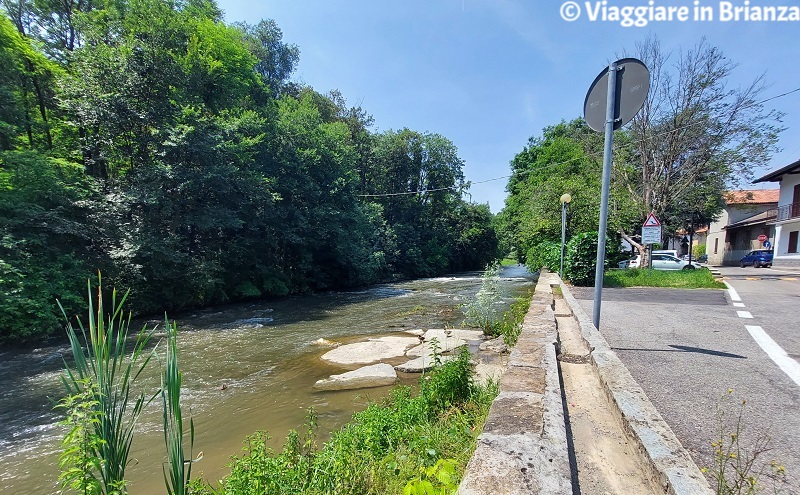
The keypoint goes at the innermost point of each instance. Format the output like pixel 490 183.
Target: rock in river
pixel 371 351
pixel 420 364
pixel 376 375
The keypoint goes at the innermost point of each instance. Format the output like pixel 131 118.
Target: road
pixel 687 348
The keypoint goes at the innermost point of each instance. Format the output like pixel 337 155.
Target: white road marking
pixel 744 314
pixel 775 352
pixel 732 292
pixel 738 305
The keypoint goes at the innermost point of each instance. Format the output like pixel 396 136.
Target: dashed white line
pixel 775 352
pixel 744 314
pixel 738 305
pixel 732 292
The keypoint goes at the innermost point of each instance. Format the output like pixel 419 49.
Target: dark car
pixel 757 258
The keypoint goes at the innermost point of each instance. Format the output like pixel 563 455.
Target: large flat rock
pixel 370 351
pixel 441 334
pixel 420 364
pixel 445 344
pixel 376 375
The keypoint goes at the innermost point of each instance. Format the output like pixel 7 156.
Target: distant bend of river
pixel 246 367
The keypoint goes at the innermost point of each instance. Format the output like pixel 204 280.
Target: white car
pixel 669 262
pixel 665 262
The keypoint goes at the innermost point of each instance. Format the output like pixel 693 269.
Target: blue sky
pixel 489 74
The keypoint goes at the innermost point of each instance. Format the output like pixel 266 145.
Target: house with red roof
pixel 736 232
pixel 786 216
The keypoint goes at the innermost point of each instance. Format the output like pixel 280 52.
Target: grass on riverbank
pixel 642 277
pixel 380 451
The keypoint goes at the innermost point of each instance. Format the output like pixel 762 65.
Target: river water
pixel 246 367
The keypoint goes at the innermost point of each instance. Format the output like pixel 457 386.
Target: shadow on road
pixel 685 348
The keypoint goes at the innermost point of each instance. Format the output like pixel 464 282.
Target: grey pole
pixel 601 233
pixel 563 236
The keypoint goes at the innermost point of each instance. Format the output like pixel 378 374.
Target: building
pixel 785 217
pixel 745 217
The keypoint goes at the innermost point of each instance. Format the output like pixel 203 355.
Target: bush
pixel 698 250
pixel 580 258
pixel 547 254
pixel 482 310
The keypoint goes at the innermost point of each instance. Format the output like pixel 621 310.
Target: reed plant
pixel 178 470
pixel 104 375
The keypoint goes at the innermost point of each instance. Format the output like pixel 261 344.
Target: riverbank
pixel 265 358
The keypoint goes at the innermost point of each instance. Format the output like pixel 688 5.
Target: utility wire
pixel 558 164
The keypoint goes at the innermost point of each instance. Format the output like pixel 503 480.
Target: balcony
pixel 782 213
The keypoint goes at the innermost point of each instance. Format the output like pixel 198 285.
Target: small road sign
pixel 767 244
pixel 762 238
pixel 651 221
pixel 651 230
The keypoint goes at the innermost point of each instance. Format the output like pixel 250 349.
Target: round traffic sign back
pixel 633 84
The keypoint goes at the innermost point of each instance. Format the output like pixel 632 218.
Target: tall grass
pixel 104 379
pixel 178 469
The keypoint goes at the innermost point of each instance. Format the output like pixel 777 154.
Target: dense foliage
pixel 580 258
pixel 149 139
pixel 380 451
pixel 564 159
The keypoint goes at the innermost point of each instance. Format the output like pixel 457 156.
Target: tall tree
pixel 696 135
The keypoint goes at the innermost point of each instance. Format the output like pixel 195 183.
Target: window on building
pixel 793 241
pixel 716 245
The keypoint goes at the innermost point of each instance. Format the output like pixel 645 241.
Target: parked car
pixel 665 262
pixel 703 258
pixel 669 262
pixel 757 258
pixel 671 252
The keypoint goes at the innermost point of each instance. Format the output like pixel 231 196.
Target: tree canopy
pixel 152 141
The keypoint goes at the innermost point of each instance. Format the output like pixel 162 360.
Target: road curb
pixel 671 466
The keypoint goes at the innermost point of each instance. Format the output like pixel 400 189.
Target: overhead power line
pixel 551 165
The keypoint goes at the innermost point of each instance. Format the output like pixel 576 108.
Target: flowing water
pixel 246 367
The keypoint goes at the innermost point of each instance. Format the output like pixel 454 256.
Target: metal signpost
pixel 614 98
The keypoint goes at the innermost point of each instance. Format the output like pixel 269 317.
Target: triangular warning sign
pixel 651 221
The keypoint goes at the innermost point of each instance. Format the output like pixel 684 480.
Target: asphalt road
pixel 687 348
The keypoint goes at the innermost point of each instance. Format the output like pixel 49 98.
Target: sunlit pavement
pixel 687 348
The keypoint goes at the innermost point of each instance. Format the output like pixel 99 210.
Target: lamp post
pixel 565 198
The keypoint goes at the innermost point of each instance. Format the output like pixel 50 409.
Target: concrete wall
pixel 523 447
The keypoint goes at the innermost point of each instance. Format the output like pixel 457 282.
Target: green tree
pixel 696 136
pixel 564 159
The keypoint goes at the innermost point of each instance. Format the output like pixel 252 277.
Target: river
pixel 246 367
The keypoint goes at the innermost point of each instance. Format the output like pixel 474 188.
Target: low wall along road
pixel 569 417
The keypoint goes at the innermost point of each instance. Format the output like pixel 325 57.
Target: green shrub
pixel 698 250
pixel 580 259
pixel 482 311
pixel 545 254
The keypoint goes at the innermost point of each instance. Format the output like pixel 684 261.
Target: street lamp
pixel 565 198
